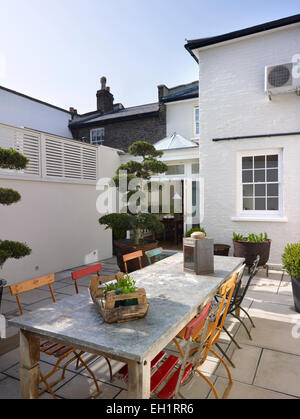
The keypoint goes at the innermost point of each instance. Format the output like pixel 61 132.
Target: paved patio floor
pixel 267 367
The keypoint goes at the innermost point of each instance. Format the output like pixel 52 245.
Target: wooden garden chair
pixel 50 348
pixel 131 256
pixel 81 273
pixel 208 336
pixel 154 253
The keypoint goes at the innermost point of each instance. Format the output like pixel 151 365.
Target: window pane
pixel 260 190
pixel 176 170
pixel 260 204
pixel 259 176
pixel 195 168
pixel 247 176
pixel 247 162
pixel 273 204
pixel 273 189
pixel 259 162
pixel 272 175
pixel 247 190
pixel 272 161
pixel 248 204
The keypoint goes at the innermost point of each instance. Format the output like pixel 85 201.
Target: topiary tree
pixel 148 167
pixel 11 159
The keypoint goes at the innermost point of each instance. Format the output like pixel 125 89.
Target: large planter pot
pixel 296 292
pixel 127 246
pixel 249 251
pixel 221 249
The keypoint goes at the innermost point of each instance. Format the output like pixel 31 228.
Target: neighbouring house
pixel 249 107
pixel 181 150
pixel 19 110
pixel 115 126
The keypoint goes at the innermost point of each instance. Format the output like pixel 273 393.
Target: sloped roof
pixel 134 111
pixel 182 92
pixel 204 42
pixel 174 142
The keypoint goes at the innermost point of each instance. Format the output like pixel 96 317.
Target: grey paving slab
pixel 173 300
pixel 246 361
pixel 10 389
pixel 245 391
pixel 280 372
pixel 9 359
pixel 81 387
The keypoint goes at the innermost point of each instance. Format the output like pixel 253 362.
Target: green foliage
pixel 11 159
pixel 194 230
pixel 124 285
pixel 251 238
pixel 149 166
pixel 9 196
pixel 119 223
pixel 10 249
pixel 291 259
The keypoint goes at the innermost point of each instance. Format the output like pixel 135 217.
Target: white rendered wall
pixel 180 118
pixel 22 112
pixel 233 103
pixel 59 221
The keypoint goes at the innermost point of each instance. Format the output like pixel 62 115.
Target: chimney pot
pixel 103 83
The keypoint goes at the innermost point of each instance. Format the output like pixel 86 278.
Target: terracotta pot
pixel 249 251
pixel 127 246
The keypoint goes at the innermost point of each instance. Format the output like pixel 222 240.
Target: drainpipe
pixel 2 318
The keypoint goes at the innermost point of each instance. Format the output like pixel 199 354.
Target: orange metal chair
pixel 131 256
pixel 59 351
pixel 209 336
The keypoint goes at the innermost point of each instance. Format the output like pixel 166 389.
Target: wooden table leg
pixel 29 365
pixel 138 380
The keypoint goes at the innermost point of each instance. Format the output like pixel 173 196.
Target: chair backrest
pixel 130 256
pixel 32 284
pixel 253 272
pixel 154 253
pixel 236 294
pixel 80 273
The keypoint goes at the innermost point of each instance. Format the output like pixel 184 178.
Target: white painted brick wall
pixel 233 103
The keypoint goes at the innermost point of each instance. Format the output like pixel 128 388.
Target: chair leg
pixel 209 383
pixel 232 338
pixel 245 327
pixel 179 348
pixel 247 314
pixel 47 386
pixel 228 388
pixel 225 355
pixel 98 391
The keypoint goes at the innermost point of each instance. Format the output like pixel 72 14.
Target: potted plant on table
pixel 291 263
pixel 249 247
pixel 140 219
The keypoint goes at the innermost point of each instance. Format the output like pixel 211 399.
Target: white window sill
pixel 262 219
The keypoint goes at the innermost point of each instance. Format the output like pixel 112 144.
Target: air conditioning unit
pixel 279 79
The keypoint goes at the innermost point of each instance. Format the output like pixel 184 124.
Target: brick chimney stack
pixel 105 100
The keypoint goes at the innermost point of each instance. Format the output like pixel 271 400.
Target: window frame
pixel 91 135
pixel 259 213
pixel 196 122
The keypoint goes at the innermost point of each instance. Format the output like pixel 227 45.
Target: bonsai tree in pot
pixel 291 263
pixel 252 245
pixel 11 159
pixel 137 218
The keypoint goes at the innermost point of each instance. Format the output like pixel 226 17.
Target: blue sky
pixel 57 50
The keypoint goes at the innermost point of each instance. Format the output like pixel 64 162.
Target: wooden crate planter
pixel 109 306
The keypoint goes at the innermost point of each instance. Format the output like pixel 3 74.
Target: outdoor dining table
pixel 174 296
